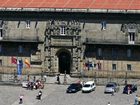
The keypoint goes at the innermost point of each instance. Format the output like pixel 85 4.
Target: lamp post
pixel 125 77
pixel 95 77
pixel 65 78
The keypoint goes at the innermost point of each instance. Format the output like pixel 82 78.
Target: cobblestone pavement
pixel 54 94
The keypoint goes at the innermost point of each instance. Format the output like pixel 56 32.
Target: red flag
pixel 13 60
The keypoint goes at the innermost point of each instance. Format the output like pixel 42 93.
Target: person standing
pixel 39 95
pixel 34 79
pixel 108 103
pixel 58 79
pixel 21 99
pixel 128 90
pixel 113 92
pixel 136 100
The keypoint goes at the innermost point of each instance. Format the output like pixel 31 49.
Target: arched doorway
pixel 64 62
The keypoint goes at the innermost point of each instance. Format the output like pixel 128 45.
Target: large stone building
pixel 60 36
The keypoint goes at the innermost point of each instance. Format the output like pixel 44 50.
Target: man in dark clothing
pixel 58 79
pixel 39 95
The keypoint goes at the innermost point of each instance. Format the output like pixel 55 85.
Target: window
pixel 0 62
pixel 1 23
pixel 129 67
pixel 131 37
pixel 0 48
pixel 99 65
pixel 1 29
pixel 20 49
pixel 35 63
pixel 129 53
pixel 94 65
pixel 62 30
pixel 99 52
pixel 27 24
pixel 103 24
pixel 113 66
pixel 114 53
pixel 1 33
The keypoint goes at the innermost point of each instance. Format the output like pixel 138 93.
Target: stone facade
pixel 60 42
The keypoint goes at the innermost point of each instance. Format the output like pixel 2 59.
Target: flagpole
pixel 27 63
pixel 19 68
pixel 27 74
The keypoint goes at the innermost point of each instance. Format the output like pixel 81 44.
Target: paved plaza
pixel 54 94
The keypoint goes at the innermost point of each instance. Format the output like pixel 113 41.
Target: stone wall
pixel 16 30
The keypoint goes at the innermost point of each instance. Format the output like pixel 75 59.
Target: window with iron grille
pixel 129 53
pixel 99 52
pixel 114 67
pixel 0 48
pixel 129 67
pixel 20 49
pixel 114 53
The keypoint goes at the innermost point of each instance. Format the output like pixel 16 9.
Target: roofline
pixel 72 10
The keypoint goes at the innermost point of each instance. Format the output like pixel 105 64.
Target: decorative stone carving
pixel 131 27
pixel 71 27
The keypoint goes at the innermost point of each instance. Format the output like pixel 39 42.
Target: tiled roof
pixel 78 4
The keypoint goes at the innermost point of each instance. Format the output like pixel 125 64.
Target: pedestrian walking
pixel 113 91
pixel 108 103
pixel 21 99
pixel 45 78
pixel 136 100
pixel 34 80
pixel 39 95
pixel 128 90
pixel 58 79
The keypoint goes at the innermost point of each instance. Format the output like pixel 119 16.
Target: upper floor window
pixel 1 32
pixel 114 53
pixel 0 48
pixel 129 53
pixel 20 48
pixel 131 38
pixel 1 23
pixel 99 52
pixel 1 29
pixel 28 24
pixel 62 30
pixel 103 24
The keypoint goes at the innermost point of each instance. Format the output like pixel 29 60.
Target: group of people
pixel 35 85
pixel 39 95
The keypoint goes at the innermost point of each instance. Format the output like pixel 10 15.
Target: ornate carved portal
pixel 131 27
pixel 64 62
pixel 131 30
pixel 63 46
